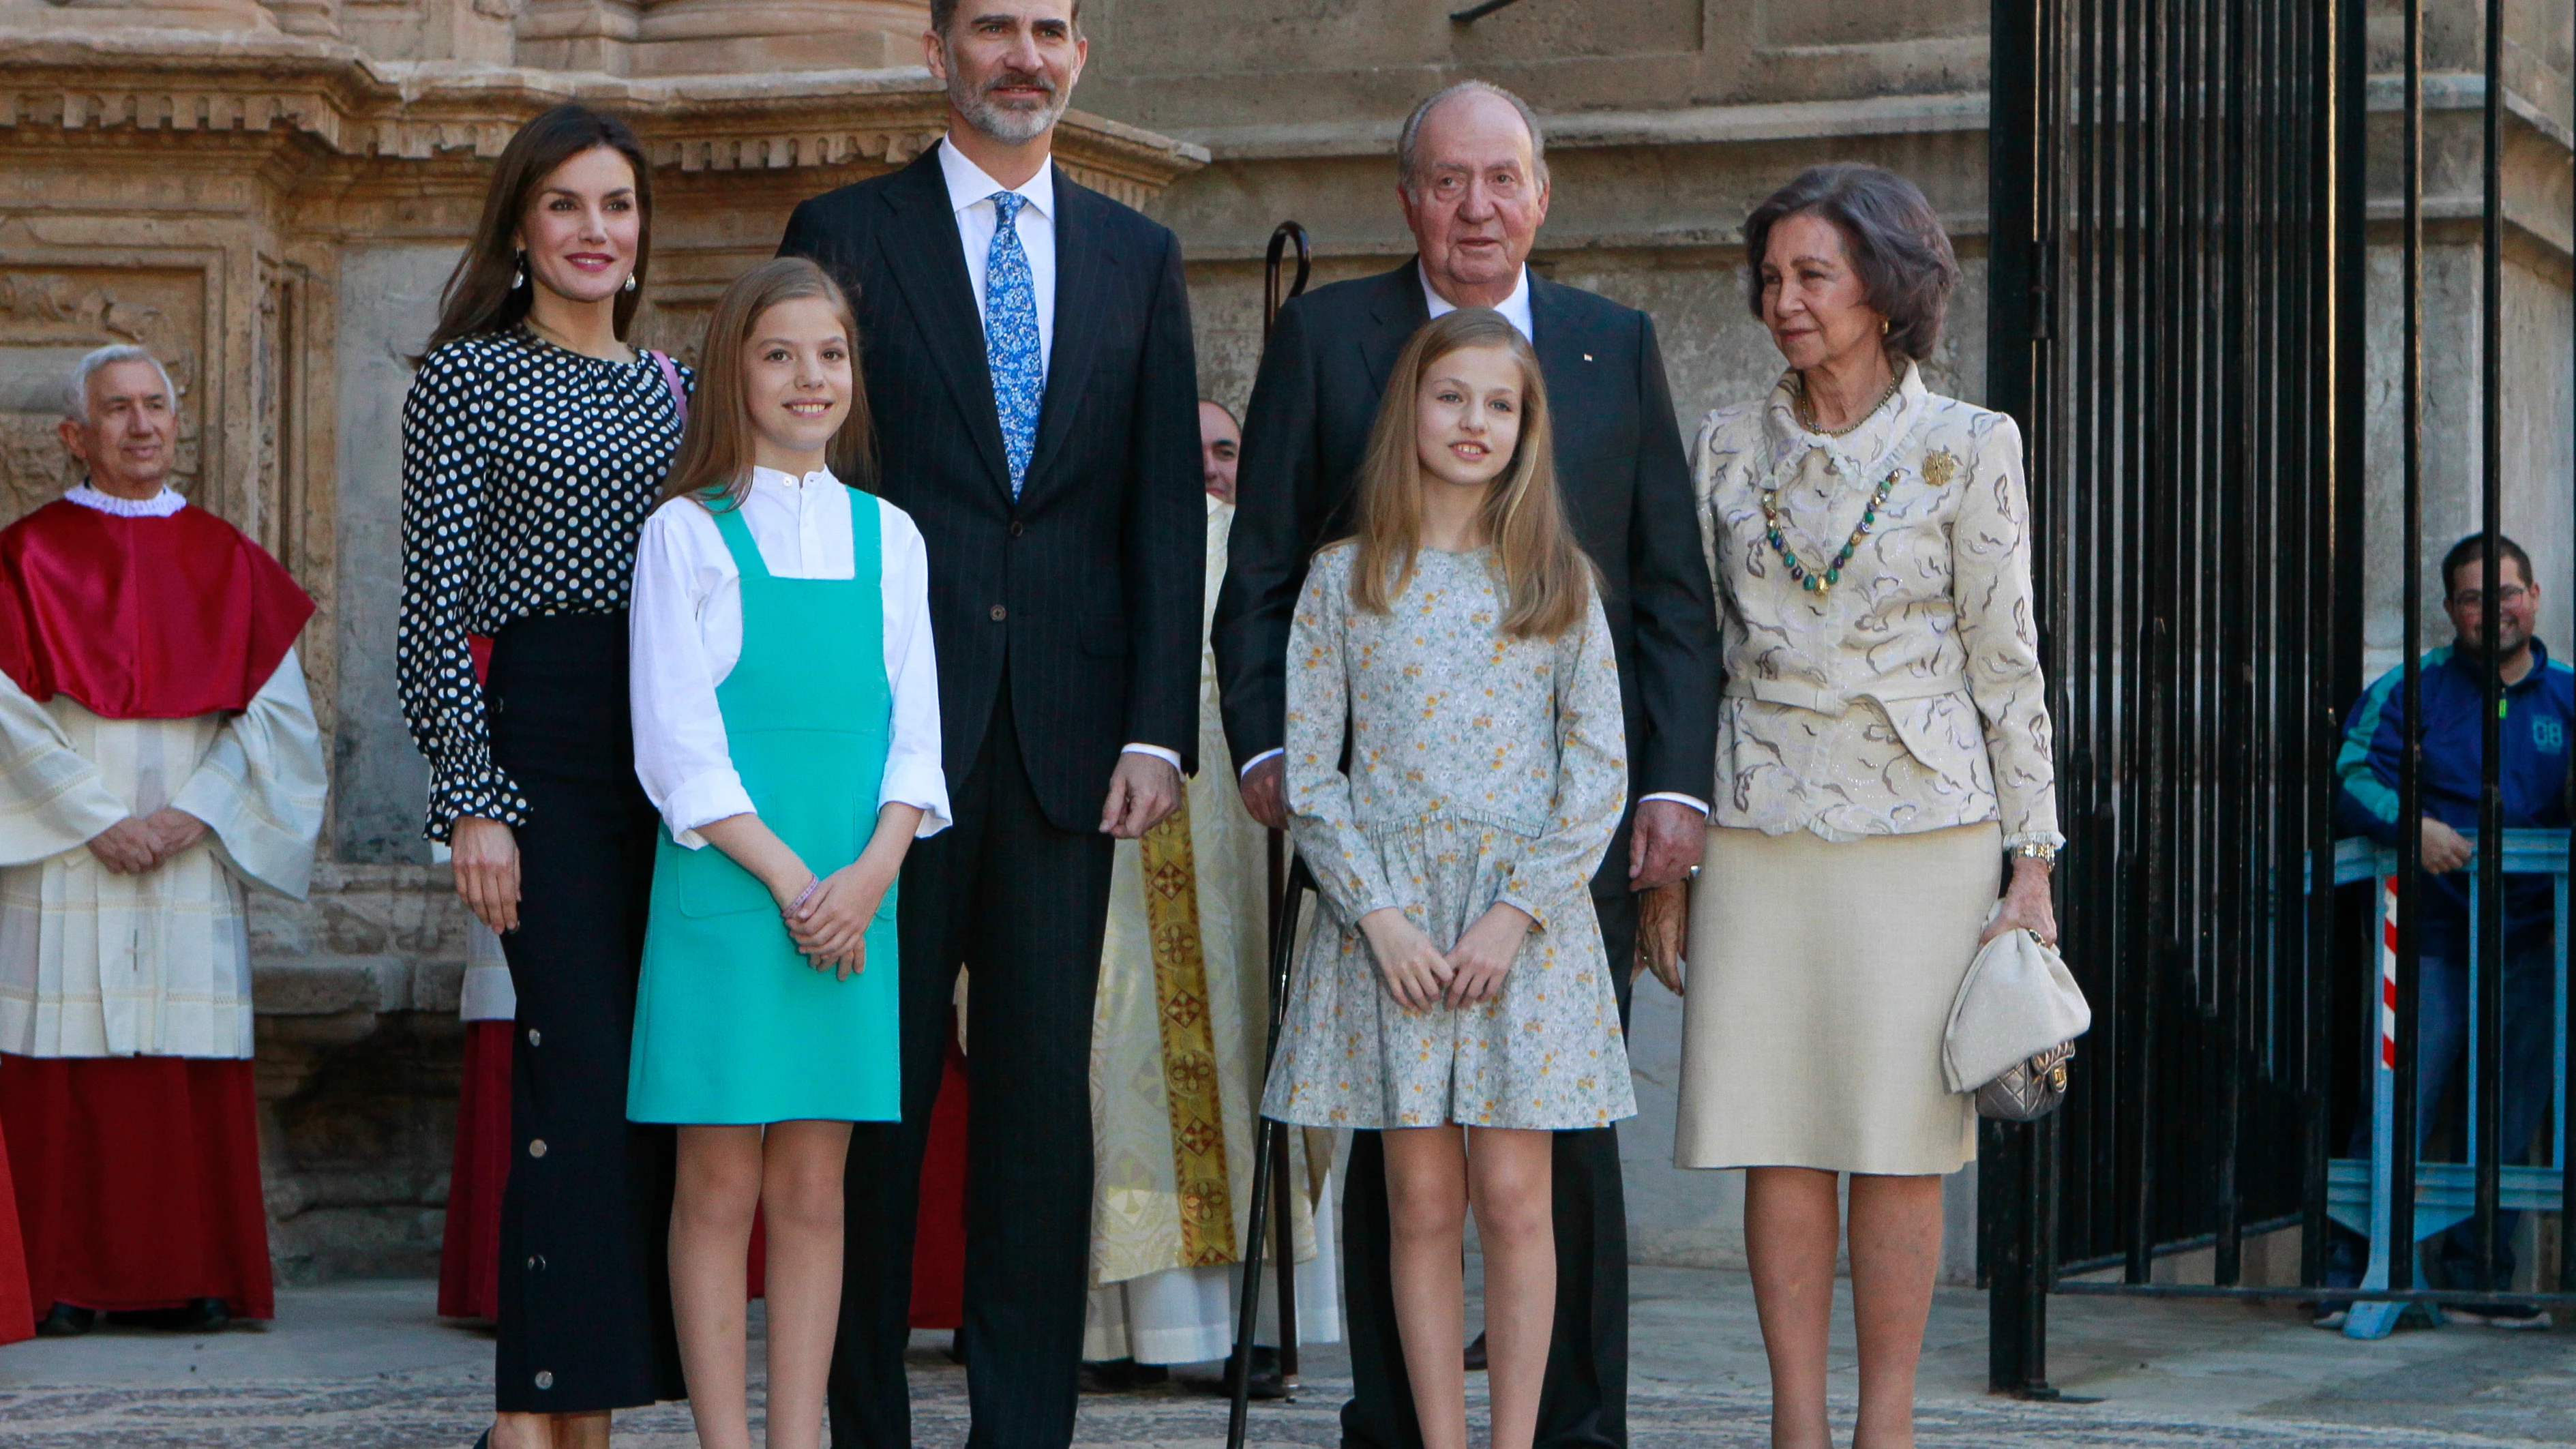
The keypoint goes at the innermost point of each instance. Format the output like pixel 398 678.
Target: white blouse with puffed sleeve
pixel 685 632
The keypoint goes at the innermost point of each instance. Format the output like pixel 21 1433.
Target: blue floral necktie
pixel 1011 337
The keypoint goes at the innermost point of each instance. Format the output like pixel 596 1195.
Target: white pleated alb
pixel 93 963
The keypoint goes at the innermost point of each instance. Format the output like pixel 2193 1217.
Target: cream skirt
pixel 1820 980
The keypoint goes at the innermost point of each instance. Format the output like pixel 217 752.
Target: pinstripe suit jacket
pixel 1086 591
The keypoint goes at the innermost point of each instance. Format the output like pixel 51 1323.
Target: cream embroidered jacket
pixel 1906 696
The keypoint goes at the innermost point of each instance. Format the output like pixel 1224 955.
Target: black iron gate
pixel 2177 278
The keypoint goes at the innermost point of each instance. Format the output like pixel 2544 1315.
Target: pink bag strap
pixel 671 378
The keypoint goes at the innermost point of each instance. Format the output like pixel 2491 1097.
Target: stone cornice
pixel 1891 115
pixel 346 104
pixel 1582 130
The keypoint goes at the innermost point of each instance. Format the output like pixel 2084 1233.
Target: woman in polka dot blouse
pixel 534 442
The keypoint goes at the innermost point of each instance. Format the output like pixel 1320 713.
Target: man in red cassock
pixel 157 755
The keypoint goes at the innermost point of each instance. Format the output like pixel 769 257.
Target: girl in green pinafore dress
pixel 786 709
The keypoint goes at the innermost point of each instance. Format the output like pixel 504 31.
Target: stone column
pixel 698 37
pixel 577 35
pixel 88 15
pixel 307 17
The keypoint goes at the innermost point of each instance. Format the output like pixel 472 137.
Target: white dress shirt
pixel 685 628
pixel 970 193
pixel 1515 308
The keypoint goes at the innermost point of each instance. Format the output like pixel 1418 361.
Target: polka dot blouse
pixel 527 472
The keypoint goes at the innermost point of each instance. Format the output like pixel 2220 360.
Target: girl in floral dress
pixel 1455 996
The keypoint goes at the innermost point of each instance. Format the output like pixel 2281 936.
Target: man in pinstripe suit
pixel 1030 369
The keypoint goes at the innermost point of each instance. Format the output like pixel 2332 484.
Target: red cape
pixel 142 618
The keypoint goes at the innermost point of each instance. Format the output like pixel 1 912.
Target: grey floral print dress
pixel 1484 768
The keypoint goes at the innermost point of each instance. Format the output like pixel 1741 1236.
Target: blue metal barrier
pixel 2359 1191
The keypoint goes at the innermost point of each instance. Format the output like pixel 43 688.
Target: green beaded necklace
pixel 1817 581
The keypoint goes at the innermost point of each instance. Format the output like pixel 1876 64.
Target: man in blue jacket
pixel 2539 709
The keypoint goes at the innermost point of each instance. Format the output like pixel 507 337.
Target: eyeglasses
pixel 2507 595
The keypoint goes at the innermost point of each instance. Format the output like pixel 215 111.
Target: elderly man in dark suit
pixel 1473 183
pixel 1029 365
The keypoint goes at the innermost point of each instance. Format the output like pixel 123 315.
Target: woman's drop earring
pixel 630 281
pixel 519 272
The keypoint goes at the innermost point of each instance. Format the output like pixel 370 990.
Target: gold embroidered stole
pixel 1189 1044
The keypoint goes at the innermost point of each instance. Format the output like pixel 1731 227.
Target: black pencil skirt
pixel 585 1219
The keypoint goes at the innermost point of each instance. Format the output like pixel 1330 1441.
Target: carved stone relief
pixel 49 317
pixel 289 514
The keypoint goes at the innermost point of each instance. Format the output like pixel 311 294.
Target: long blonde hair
pixel 1544 573
pixel 714 462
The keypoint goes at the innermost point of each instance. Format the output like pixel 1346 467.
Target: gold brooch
pixel 1940 468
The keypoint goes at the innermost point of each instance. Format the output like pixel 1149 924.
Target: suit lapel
pixel 1399 311
pixel 1082 269
pixel 1562 363
pixel 929 264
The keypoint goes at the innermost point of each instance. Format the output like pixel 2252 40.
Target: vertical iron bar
pixel 2335 630
pixel 2565 928
pixel 2267 906
pixel 2317 710
pixel 2228 718
pixel 2090 501
pixel 2350 149
pixel 2152 930
pixel 2410 798
pixel 2135 946
pixel 2016 1302
pixel 2489 932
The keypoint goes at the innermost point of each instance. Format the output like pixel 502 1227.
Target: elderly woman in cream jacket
pixel 1883 750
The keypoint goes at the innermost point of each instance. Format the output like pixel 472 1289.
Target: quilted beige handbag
pixel 2013 1028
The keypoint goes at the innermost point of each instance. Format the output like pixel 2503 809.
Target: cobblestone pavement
pixel 363 1366
pixel 399 1411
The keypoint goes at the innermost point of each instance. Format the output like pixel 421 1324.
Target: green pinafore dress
pixel 731 1024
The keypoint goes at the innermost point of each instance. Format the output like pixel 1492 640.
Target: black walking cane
pixel 1289 233
pixel 1270 1152
pixel 1269 1159
pixel 1285 235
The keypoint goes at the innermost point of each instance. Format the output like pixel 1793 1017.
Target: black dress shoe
pixel 65 1321
pixel 1123 1376
pixel 1476 1355
pixel 205 1315
pixel 1267 1381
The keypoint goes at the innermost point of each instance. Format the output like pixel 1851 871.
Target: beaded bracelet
pixel 788 911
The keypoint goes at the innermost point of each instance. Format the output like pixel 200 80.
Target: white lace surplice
pixel 1137 1203
pixel 1908 696
pixel 98 964
pixel 1148 1301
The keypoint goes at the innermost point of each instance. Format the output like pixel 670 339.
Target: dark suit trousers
pixel 1585 1402
pixel 1021 905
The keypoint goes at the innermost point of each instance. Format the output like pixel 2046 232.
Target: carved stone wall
pixel 49 317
